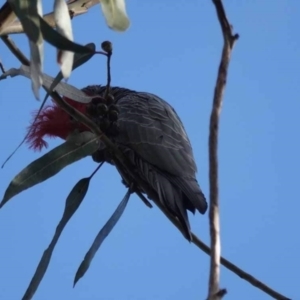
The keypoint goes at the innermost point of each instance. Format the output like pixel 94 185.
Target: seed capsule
pixel 106 46
pixel 114 129
pixel 102 109
pixel 104 124
pixel 114 107
pixel 98 156
pixel 110 99
pixel 113 115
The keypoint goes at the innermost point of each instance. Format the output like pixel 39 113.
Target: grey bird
pixel 152 136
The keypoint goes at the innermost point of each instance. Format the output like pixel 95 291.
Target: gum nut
pixel 113 115
pixel 102 108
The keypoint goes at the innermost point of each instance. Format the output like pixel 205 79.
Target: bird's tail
pixel 177 194
pixel 194 198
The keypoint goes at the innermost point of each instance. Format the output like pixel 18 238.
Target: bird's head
pixel 54 122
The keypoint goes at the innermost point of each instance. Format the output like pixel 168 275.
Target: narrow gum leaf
pixel 50 164
pixel 73 202
pixel 64 27
pixel 101 236
pixel 29 12
pixel 36 67
pixel 79 59
pixel 115 14
pixel 62 88
pixel 57 40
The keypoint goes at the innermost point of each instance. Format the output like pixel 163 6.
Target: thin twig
pixel 15 50
pixel 107 47
pixel 2 67
pixel 195 240
pixel 108 75
pixel 214 218
pixel 96 170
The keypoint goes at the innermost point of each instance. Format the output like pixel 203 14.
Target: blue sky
pixel 172 50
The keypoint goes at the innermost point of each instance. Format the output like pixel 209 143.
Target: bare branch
pixel 15 50
pixel 220 294
pixel 214 219
pixel 195 240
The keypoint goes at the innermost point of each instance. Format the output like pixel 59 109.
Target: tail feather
pixel 177 194
pixel 171 197
pixel 194 196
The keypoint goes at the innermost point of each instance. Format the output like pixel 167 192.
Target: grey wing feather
pixel 169 195
pixel 151 127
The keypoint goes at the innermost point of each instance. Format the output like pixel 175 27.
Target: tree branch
pixel 195 240
pixel 214 219
pixel 15 50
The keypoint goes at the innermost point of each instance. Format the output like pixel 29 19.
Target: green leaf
pixel 36 61
pixel 115 14
pixel 34 25
pixel 29 11
pixel 73 201
pixel 103 233
pixel 79 59
pixel 56 39
pixel 62 88
pixel 51 163
pixel 64 27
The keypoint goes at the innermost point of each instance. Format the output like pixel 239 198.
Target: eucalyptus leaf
pixel 29 12
pixel 115 14
pixel 36 57
pixel 62 88
pixel 103 233
pixel 79 59
pixel 73 202
pixel 51 163
pixel 64 27
pixel 57 40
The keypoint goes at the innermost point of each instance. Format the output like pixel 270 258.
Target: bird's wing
pixel 151 127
